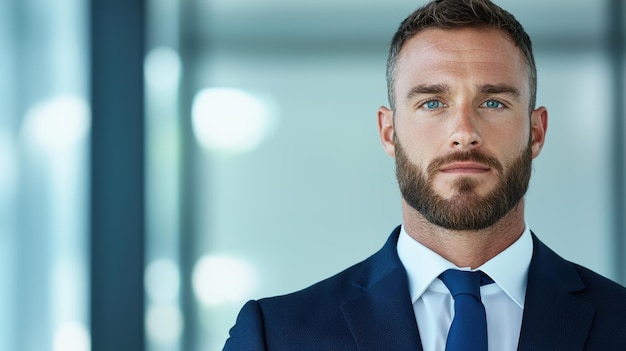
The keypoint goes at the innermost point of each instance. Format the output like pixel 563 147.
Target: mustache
pixel 463 156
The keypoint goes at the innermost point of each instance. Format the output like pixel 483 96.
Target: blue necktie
pixel 468 331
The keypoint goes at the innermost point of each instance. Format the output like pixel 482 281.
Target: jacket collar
pixel 554 319
pixel 380 315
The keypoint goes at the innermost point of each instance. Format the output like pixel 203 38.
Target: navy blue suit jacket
pixel 367 307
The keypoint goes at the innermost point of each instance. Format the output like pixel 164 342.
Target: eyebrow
pixel 427 89
pixel 489 89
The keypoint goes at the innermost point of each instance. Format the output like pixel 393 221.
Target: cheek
pixel 419 149
pixel 509 154
pixel 421 136
pixel 510 138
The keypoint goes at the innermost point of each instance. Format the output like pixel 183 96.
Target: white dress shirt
pixel 434 306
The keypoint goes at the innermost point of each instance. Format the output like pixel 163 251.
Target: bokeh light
pixel 232 120
pixel 162 281
pixel 57 124
pixel 8 160
pixel 72 336
pixel 221 280
pixel 164 324
pixel 162 68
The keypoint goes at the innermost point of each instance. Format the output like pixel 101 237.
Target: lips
pixel 465 167
pixel 464 162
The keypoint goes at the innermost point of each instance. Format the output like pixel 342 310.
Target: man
pixel 463 129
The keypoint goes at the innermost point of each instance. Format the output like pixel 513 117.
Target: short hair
pixel 455 14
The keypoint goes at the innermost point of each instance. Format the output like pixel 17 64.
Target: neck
pixel 471 248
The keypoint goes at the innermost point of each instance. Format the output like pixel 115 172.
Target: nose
pixel 464 134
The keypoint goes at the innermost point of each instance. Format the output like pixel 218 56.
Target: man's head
pixel 461 127
pixel 456 14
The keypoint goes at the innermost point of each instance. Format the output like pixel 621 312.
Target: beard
pixel 465 210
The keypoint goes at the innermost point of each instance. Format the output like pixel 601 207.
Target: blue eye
pixel 432 104
pixel 493 104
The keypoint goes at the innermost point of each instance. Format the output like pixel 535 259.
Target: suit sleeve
pixel 248 333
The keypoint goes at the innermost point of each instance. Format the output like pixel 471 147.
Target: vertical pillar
pixel 188 215
pixel 117 175
pixel 618 144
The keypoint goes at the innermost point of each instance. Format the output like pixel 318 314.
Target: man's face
pixel 462 135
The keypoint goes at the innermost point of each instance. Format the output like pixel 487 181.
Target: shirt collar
pixel 509 269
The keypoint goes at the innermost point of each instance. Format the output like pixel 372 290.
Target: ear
pixel 385 129
pixel 538 129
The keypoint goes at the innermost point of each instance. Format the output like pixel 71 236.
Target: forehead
pixel 481 56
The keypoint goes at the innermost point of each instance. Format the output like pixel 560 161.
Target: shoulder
pixel 549 269
pixel 601 290
pixel 320 296
pixel 608 330
pixel 311 316
pixel 568 304
pixel 346 284
pixel 308 316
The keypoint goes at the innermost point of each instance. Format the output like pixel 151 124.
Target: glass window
pixel 44 136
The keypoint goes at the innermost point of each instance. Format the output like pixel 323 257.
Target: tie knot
pixel 464 282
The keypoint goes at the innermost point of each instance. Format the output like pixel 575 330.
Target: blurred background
pixel 163 161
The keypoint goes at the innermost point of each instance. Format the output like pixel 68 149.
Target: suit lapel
pixel 554 319
pixel 380 315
